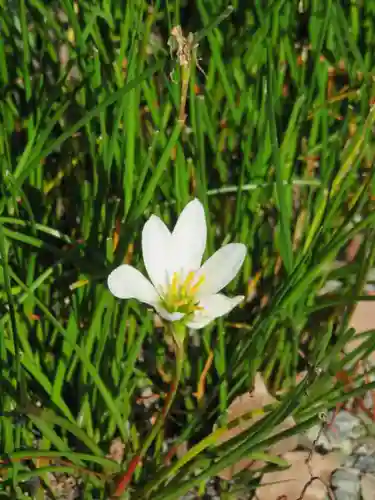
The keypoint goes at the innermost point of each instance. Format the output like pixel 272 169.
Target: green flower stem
pixel 179 346
pixel 178 333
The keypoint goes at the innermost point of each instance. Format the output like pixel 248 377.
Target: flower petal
pixel 126 282
pixel 213 307
pixel 189 238
pixel 221 268
pixel 176 316
pixel 156 245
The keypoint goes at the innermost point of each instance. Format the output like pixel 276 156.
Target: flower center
pixel 180 295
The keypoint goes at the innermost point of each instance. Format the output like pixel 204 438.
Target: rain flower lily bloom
pixel 180 288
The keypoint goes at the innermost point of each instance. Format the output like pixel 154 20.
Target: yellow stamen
pixel 188 280
pixel 174 285
pixel 182 302
pixel 195 287
pixel 180 294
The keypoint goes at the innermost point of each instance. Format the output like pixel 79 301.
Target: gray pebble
pixel 364 463
pixel 316 436
pixel 345 426
pixel 344 495
pixel 339 435
pixel 346 483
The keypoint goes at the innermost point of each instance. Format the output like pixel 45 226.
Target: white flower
pixel 180 287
